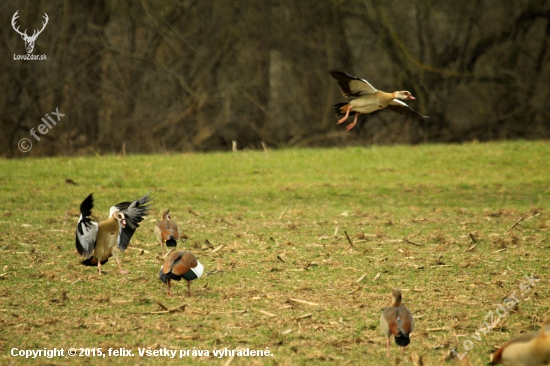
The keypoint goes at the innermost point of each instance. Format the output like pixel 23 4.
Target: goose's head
pixel 396 298
pixel 119 216
pixel 403 95
pixel 165 214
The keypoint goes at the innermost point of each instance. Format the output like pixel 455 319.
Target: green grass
pixel 295 204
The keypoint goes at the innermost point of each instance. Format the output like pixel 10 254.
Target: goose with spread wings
pixel 367 99
pixel 98 242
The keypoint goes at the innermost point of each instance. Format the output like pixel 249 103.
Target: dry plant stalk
pixel 282 213
pixel 167 253
pixel 411 242
pixel 305 302
pixel 167 311
pixel 264 312
pixel 217 248
pixel 349 239
pixel 515 224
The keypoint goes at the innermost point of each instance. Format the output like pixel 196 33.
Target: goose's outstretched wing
pixel 86 229
pixel 352 86
pixel 134 213
pixel 400 107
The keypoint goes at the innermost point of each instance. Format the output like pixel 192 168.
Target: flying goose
pixel 97 242
pixel 167 230
pixel 180 265
pixel 366 99
pixel 397 320
pixel 528 349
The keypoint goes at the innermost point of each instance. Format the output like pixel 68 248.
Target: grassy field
pixel 436 221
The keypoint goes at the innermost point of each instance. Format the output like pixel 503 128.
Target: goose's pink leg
pixel 343 119
pixel 351 125
pixel 123 271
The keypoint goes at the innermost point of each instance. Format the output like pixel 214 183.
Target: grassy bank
pixel 434 220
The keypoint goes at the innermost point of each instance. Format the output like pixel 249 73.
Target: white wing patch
pixel 198 270
pixel 88 237
pixel 399 103
pixel 362 87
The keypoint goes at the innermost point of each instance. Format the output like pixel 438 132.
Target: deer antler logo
pixel 29 41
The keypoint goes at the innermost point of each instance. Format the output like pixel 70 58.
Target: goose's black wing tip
pixel 87 205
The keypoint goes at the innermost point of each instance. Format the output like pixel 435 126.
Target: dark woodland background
pixel 193 75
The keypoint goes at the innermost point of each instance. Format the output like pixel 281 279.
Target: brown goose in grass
pixel 180 265
pixel 398 321
pixel 167 231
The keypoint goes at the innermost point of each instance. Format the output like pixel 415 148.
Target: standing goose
pixel 397 320
pixel 167 230
pixel 180 265
pixel 366 99
pixel 529 349
pixel 97 242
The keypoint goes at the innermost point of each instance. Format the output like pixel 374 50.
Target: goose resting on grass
pixel 528 349
pixel 366 99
